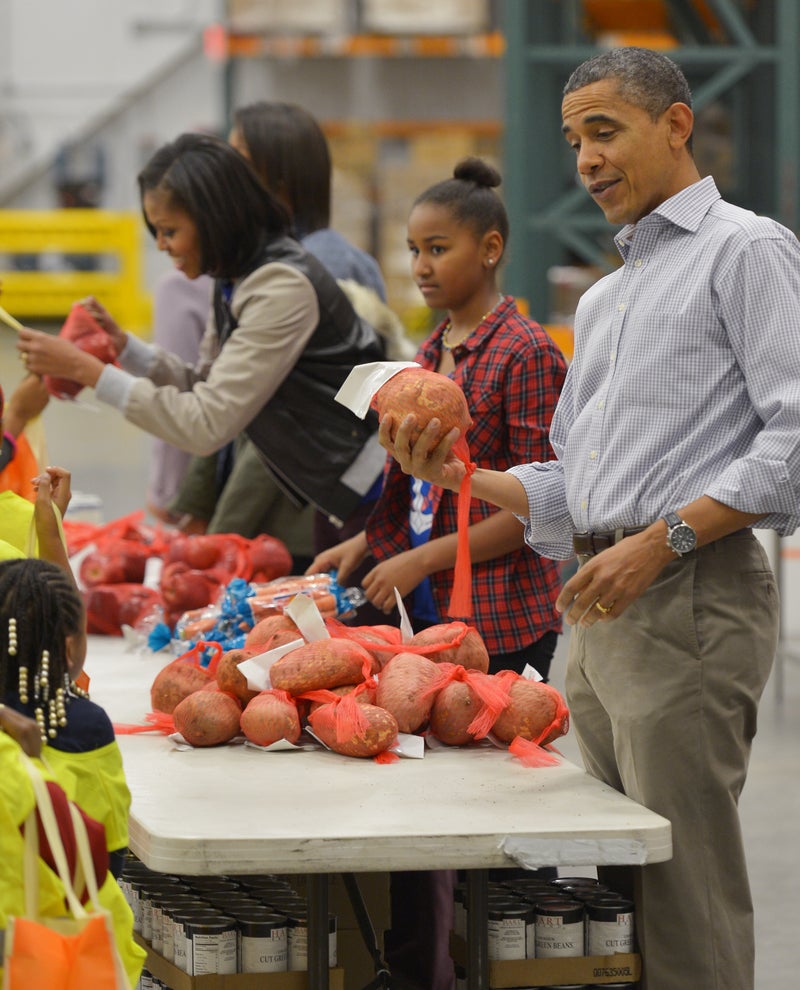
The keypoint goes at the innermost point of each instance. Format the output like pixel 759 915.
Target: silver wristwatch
pixel 681 538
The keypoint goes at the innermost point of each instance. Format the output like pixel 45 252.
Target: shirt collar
pixel 685 209
pixel 478 335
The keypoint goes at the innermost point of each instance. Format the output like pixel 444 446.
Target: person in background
pixel 180 312
pixel 286 146
pixel 677 432
pixel 18 462
pixel 42 652
pixel 32 526
pixel 282 339
pixel 511 373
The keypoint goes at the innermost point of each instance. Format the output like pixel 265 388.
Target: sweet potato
pixel 470 653
pixel 230 678
pixel 378 734
pixel 207 718
pixel 270 716
pixel 365 697
pixel 454 708
pixel 179 679
pixel 401 689
pixel 325 663
pixel 262 631
pixel 426 394
pixel 535 711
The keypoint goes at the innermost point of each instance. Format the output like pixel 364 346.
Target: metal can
pixel 559 929
pixel 298 941
pixel 146 892
pixel 263 942
pixel 163 939
pixel 509 923
pixel 212 944
pixel 609 926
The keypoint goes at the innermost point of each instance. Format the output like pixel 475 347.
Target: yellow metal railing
pixel 40 264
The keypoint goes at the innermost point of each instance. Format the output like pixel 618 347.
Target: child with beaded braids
pixel 42 650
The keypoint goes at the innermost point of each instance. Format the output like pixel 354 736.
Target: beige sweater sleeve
pixel 201 409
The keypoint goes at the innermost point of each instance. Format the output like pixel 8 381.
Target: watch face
pixel 683 538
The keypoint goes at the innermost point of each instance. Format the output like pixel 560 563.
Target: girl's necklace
pixel 449 326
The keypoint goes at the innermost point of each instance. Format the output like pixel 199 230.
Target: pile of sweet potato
pixel 195 568
pixel 357 689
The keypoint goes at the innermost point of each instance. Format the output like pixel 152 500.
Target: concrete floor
pixel 108 458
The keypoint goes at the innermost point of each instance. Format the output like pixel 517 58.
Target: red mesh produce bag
pixel 429 395
pixel 353 729
pixel 109 607
pixel 85 332
pixel 114 561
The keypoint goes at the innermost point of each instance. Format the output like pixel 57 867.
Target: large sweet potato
pixel 378 733
pixel 401 689
pixel 179 679
pixel 325 663
pixel 270 716
pixel 454 709
pixel 263 630
pixel 469 652
pixel 535 711
pixel 207 718
pixel 426 394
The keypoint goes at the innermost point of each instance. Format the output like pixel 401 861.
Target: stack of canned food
pixel 535 918
pixel 220 924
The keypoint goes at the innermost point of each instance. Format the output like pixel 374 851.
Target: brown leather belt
pixel 589 544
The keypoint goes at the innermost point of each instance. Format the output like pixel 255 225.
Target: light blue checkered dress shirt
pixel 685 379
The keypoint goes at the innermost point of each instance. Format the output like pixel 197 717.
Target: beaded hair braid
pixel 39 608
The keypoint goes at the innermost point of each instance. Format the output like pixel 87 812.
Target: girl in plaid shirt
pixel 511 373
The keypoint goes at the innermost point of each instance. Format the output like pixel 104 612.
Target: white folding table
pixel 234 809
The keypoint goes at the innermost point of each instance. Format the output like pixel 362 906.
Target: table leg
pixel 477 933
pixel 317 889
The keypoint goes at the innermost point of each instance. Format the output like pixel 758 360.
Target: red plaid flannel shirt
pixel 511 373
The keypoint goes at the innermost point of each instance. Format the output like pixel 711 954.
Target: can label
pixel 215 953
pixel 507 938
pixel 604 938
pixel 265 953
pixel 556 938
pixel 298 948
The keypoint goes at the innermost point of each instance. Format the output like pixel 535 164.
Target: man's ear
pixel 681 124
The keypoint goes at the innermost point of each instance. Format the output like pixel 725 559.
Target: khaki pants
pixel 663 702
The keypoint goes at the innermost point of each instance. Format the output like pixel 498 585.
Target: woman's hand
pixel 430 457
pixel 119 338
pixel 344 558
pixel 45 354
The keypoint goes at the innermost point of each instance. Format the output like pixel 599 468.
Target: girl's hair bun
pixel 478 171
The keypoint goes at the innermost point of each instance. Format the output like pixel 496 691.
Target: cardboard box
pixel 594 970
pixel 178 980
pixel 423 17
pixel 277 16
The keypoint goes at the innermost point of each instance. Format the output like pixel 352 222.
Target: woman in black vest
pixel 281 339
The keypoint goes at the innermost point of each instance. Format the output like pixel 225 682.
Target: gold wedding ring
pixel 605 609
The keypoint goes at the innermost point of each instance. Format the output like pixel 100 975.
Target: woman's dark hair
pixel 290 154
pixel 214 185
pixel 45 607
pixel 470 197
